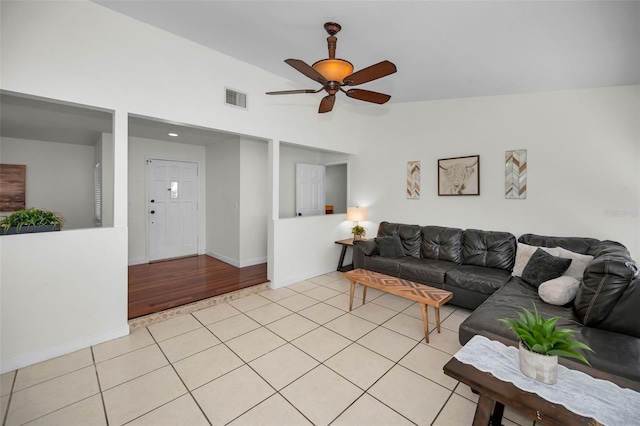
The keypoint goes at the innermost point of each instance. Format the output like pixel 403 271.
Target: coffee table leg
pixel 425 320
pixel 364 293
pixel 438 319
pixel 353 288
pixel 483 411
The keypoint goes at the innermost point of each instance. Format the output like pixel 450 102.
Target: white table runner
pixel 580 393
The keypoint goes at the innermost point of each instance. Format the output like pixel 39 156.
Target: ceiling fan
pixel 335 73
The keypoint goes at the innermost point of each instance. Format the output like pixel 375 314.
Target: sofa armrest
pixel 361 249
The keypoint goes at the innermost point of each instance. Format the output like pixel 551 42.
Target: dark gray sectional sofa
pixel 476 267
pixel 471 263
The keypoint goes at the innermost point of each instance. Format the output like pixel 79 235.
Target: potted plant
pixel 31 220
pixel 541 344
pixel 358 232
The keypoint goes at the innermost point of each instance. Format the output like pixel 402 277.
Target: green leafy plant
pixel 359 230
pixel 541 336
pixel 31 217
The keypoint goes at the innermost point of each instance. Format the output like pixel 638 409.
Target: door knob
pixel 153 201
pixel 153 212
pixel 299 214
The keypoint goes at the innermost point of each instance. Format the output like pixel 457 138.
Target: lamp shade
pixel 334 69
pixel 357 214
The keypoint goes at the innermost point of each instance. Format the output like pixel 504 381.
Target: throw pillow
pixel 544 267
pixel 390 246
pixel 524 253
pixel 559 291
pixel 579 263
pixel 367 246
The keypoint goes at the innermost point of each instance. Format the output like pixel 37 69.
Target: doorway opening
pixel 188 189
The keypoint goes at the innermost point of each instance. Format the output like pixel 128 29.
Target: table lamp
pixel 355 215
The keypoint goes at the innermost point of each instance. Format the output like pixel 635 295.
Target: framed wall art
pixel 13 179
pixel 515 175
pixel 459 175
pixel 413 180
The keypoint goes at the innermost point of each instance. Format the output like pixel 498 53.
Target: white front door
pixel 172 208
pixel 309 189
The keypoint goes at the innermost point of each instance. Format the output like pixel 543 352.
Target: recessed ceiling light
pixel 175 135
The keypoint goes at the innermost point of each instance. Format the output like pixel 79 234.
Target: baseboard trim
pixel 25 360
pixel 252 262
pixel 133 262
pixel 309 274
pixel 225 259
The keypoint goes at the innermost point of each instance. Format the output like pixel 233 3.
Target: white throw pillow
pixel 523 255
pixel 559 291
pixel 579 263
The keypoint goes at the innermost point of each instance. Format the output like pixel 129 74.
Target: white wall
pixel 140 150
pixel 254 202
pixel 223 200
pixel 106 157
pixel 109 61
pixel 583 153
pixel 307 247
pixel 289 156
pixel 335 187
pixel 57 299
pixel 59 177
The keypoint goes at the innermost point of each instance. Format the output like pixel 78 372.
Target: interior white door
pixel 172 208
pixel 309 189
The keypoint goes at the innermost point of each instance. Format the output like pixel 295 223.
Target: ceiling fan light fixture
pixel 334 69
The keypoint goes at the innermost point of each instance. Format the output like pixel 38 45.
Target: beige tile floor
pixel 292 356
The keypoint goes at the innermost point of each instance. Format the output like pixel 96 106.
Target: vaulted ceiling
pixel 443 49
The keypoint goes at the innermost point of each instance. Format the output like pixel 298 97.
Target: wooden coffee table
pixel 423 294
pixel 496 394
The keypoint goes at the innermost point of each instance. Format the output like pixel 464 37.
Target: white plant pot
pixel 543 368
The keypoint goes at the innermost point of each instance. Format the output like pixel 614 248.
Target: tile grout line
pixel 6 413
pixel 178 375
pixel 104 407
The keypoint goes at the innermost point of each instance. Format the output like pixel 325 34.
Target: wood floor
pixel 158 286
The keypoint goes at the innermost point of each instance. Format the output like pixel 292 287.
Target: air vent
pixel 235 98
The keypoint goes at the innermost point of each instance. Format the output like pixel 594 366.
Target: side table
pixel 344 243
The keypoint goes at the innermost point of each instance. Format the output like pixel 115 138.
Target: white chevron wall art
pixel 413 180
pixel 515 175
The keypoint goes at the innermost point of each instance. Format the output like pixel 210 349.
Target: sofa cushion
pixel 575 244
pixel 425 271
pixel 442 243
pixel 390 246
pixel 544 267
pixel 559 291
pixel 613 352
pixel 606 279
pixel 476 278
pixel 384 265
pixel 489 249
pixel 524 253
pixel 409 235
pixel 579 262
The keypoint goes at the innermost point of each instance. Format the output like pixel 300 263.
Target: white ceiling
pixel 443 49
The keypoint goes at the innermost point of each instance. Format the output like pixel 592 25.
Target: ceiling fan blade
pixel 307 70
pixel 367 95
pixel 291 92
pixel 371 73
pixel 326 104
